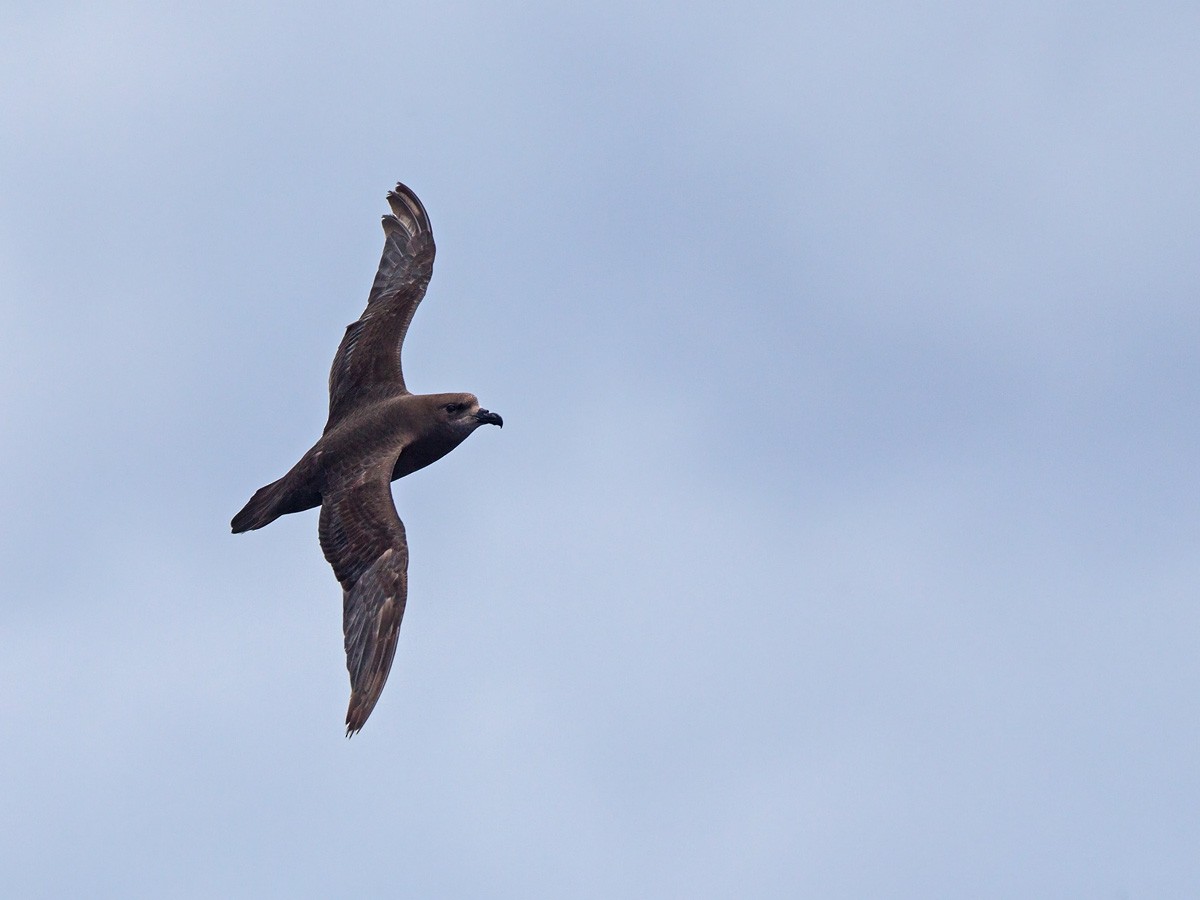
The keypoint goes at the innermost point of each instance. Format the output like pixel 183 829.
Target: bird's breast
pixel 421 452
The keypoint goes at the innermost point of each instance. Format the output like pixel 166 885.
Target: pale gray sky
pixel 841 540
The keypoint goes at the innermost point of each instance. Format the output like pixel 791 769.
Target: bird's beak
pixel 483 417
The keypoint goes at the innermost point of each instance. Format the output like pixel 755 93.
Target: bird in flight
pixel 377 432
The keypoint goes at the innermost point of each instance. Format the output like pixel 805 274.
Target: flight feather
pixel 367 364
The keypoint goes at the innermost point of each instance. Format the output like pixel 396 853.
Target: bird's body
pixel 377 432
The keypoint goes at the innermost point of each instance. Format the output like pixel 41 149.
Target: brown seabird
pixel 377 432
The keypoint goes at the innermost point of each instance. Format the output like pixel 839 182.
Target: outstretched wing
pixel 363 539
pixel 367 364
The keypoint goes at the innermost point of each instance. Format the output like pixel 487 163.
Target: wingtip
pixel 358 710
pixel 402 194
pixel 355 720
pixel 408 213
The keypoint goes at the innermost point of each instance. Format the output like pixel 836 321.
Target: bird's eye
pixel 452 408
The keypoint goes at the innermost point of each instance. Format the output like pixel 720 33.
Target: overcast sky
pixel 841 540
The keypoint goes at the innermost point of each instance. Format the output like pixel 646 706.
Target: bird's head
pixel 462 412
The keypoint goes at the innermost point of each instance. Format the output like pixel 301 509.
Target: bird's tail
pixel 296 491
pixel 264 507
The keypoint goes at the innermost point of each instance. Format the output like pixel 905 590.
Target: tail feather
pixel 263 509
pixel 296 491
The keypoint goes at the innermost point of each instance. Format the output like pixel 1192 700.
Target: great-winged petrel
pixel 377 432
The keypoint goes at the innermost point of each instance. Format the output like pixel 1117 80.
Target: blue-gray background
pixel 841 541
